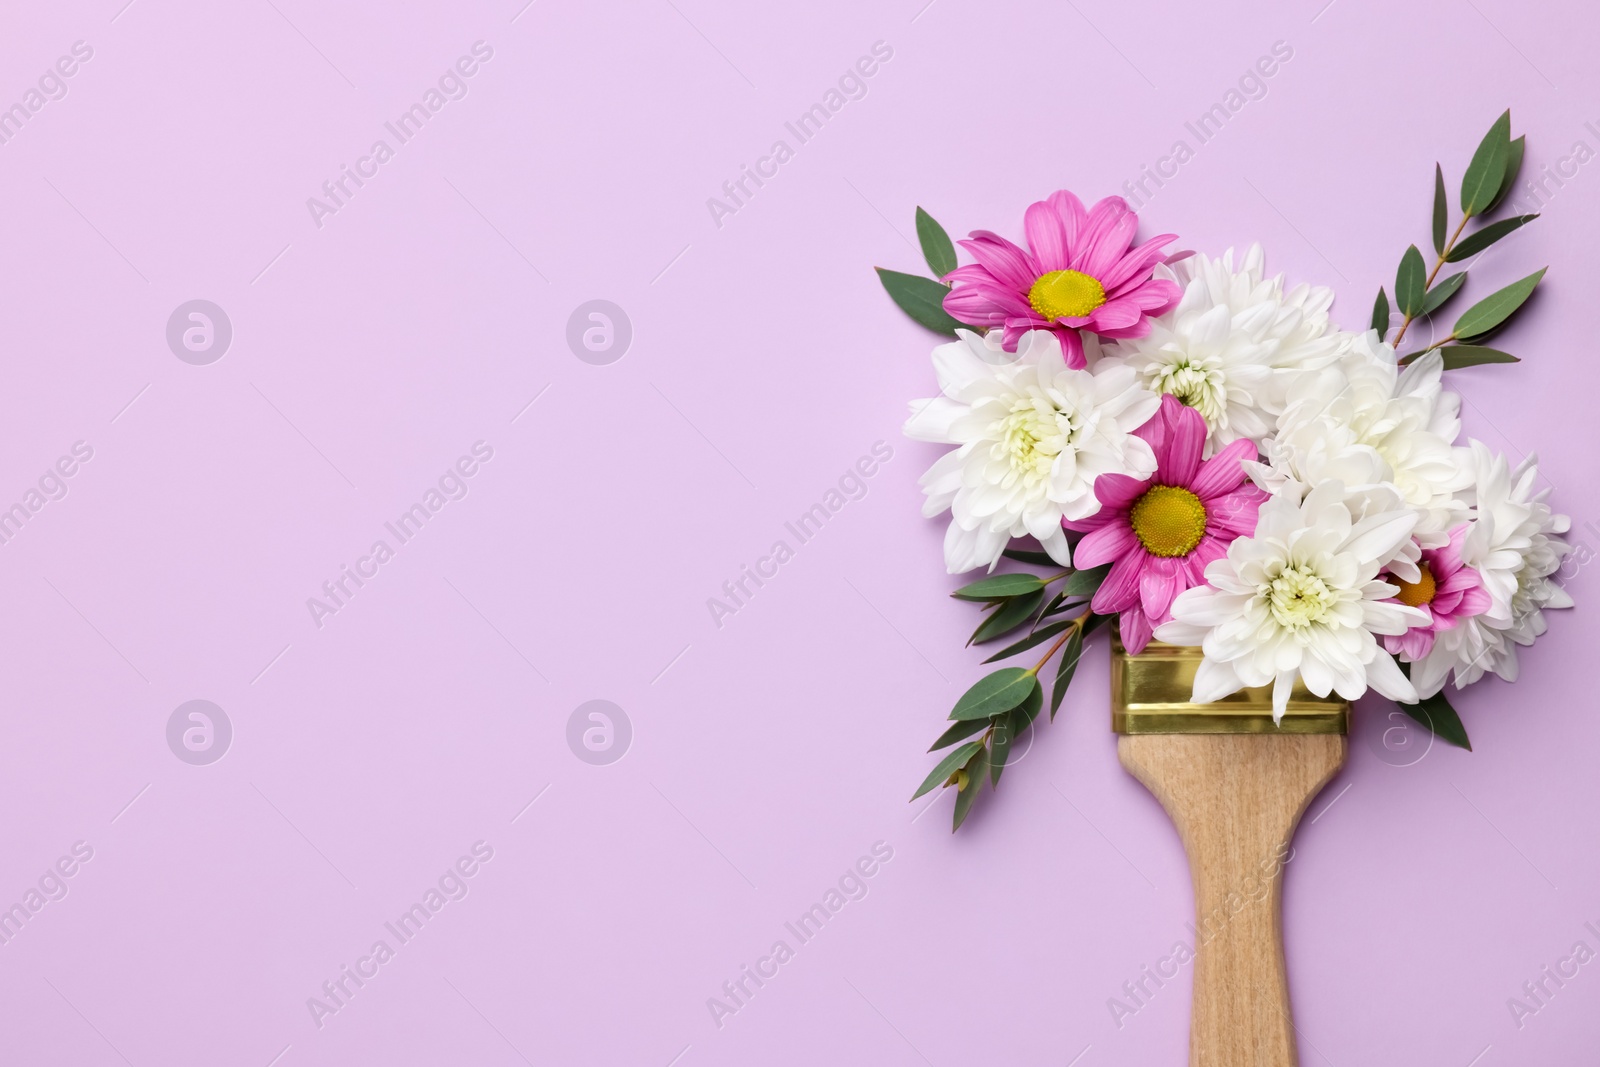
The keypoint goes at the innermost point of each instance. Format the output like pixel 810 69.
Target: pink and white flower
pixel 1447 591
pixel 1158 533
pixel 1079 271
pixel 1515 545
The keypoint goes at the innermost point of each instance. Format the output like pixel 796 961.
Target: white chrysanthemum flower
pixel 1515 544
pixel 1302 598
pixel 1233 344
pixel 1033 437
pixel 1370 424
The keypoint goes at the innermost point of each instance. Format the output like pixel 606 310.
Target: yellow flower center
pixel 1298 598
pixel 1066 294
pixel 1168 520
pixel 1416 594
pixel 1032 436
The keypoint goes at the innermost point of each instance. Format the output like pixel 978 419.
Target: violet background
pixel 770 753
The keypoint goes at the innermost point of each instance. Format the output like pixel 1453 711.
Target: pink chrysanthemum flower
pixel 1159 533
pixel 1081 273
pixel 1449 591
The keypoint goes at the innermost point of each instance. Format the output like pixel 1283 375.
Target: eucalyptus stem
pixel 1066 635
pixel 1405 360
pixel 1437 266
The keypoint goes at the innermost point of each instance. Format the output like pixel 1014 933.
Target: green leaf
pixel 1496 308
pixel 1054 607
pixel 1442 292
pixel 977 769
pixel 1474 243
pixel 1027 711
pixel 1008 728
pixel 1480 185
pixel 1441 210
pixel 1000 587
pixel 936 246
pixel 997 692
pixel 921 298
pixel 1000 742
pixel 1023 555
pixel 1012 614
pixel 1038 637
pixel 1458 356
pixel 947 767
pixel 1380 313
pixel 1437 715
pixel 1065 670
pixel 958 731
pixel 1513 166
pixel 1410 283
pixel 1084 583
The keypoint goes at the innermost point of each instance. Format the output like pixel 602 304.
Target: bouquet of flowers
pixel 1198 454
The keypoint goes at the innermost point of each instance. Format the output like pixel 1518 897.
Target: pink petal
pixel 1444 605
pixel 1448 558
pixel 1069 210
pixel 974 305
pixel 1155 295
pixel 1110 542
pixel 1158 584
pixel 1155 430
pixel 1119 491
pixel 1121 587
pixel 1136 630
pixel 1106 238
pixel 1010 265
pixel 1474 601
pixel 1115 315
pixel 1179 459
pixel 1209 549
pixel 1014 330
pixel 1138 262
pixel 1234 514
pixel 976 273
pixel 1413 644
pixel 1118 333
pixel 1072 348
pixel 1093 522
pixel 1046 236
pixel 1459 581
pixel 1223 472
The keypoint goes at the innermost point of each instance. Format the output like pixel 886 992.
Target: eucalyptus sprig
pixel 1417 290
pixel 1003 704
pixel 1488 178
pixel 923 298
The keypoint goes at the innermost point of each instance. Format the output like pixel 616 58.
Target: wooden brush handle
pixel 1235 799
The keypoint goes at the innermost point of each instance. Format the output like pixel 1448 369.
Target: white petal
pixel 1428 674
pixel 1282 686
pixel 1174 632
pixel 966 549
pixel 961 363
pixel 933 420
pixel 1213 680
pixel 1384 676
pixel 1056 545
pixel 1380 537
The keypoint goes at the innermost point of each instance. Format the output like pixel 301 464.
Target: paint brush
pixel 1235 785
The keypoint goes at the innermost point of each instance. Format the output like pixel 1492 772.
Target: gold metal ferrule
pixel 1150 694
